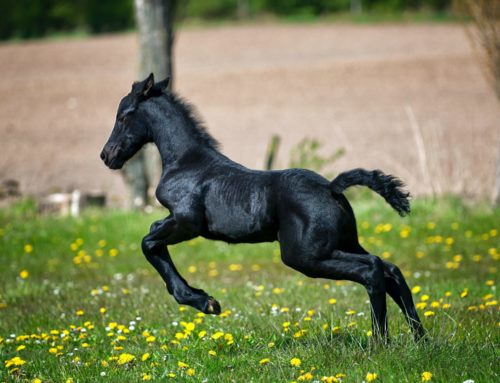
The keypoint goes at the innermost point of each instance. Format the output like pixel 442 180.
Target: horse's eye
pixel 123 119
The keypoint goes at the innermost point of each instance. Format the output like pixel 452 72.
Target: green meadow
pixel 80 303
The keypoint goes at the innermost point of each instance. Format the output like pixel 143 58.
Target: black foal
pixel 211 196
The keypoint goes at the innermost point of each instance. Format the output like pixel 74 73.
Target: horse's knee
pixel 148 246
pixel 393 272
pixel 155 225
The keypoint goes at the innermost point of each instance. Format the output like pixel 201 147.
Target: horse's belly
pixel 238 226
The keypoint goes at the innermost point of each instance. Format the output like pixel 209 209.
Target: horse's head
pixel 131 132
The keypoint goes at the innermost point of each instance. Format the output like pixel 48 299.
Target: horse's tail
pixel 387 186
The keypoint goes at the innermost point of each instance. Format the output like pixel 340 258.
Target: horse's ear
pixel 148 85
pixel 163 84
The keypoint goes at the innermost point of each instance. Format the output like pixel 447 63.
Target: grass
pixel 79 302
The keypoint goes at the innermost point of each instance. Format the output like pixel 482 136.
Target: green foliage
pixel 109 15
pixel 52 293
pixel 35 18
pixel 306 154
pixel 210 9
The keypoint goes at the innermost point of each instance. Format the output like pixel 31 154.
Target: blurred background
pixel 408 86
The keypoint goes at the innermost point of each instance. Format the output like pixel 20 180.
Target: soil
pixel 409 99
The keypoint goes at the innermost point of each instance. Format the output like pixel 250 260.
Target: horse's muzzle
pixel 110 157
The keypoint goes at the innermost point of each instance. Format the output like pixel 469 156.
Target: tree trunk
pixel 155 21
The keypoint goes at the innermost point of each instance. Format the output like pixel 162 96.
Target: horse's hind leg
pixel 365 269
pixel 398 290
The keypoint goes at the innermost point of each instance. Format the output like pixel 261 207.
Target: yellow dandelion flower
pixel 212 353
pixel 15 361
pixel 150 339
pixel 182 365
pixel 426 376
pixel 329 379
pixel 190 372
pixel 36 380
pixel 21 347
pixel 213 273
pixel 217 335
pixel 332 301
pixel 424 298
pixel 69 380
pixel 416 289
pixel 278 290
pixel 125 358
pixel 295 362
pixel 23 274
pixel 429 313
pixel 192 269
pixel 264 361
pixel 371 376
pixel 305 377
pixel 28 248
pixel 464 293
pixel 255 267
pixel 235 267
pixel 146 376
pixel 102 310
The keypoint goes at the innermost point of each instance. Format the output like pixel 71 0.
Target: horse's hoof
pixel 213 307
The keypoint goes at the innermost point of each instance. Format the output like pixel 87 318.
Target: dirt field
pixel 357 87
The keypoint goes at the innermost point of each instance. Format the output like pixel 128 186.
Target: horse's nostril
pixel 103 156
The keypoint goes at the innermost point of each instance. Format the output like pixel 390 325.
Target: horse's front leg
pixel 168 232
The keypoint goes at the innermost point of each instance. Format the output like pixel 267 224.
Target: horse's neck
pixel 173 136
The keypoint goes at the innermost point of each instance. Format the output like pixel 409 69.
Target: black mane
pixel 191 115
